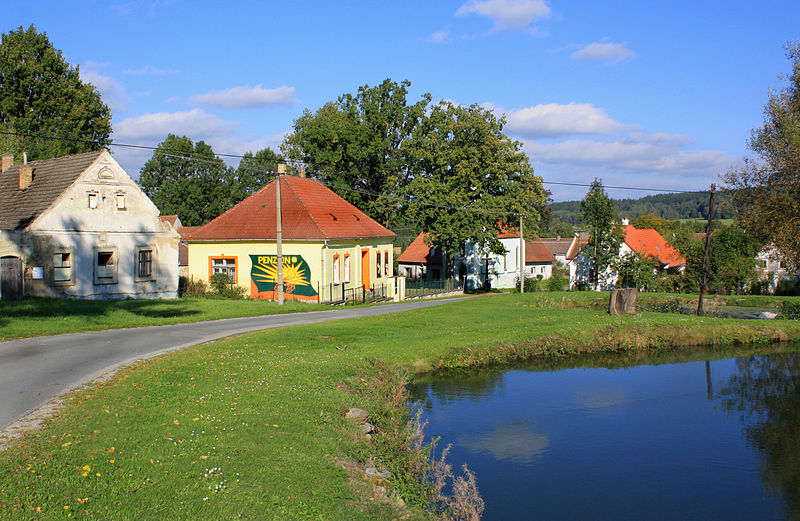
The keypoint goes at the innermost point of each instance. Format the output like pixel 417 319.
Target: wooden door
pixel 11 277
pixel 365 268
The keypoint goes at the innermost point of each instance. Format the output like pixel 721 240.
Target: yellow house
pixel 329 247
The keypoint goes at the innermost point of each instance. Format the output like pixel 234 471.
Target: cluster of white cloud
pixel 507 14
pixel 604 51
pixel 247 97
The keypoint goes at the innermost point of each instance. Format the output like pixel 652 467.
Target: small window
pixel 336 269
pixel 62 267
pixel 226 266
pixel 105 267
pixel 386 263
pixel 121 204
pixel 378 264
pixel 347 268
pixel 92 200
pixel 144 268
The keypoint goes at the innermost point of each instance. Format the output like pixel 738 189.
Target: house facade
pixel 539 261
pixel 328 245
pixel 478 264
pixel 646 242
pixel 772 268
pixel 78 226
pixel 420 261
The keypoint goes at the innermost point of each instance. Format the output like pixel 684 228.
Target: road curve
pixel 34 371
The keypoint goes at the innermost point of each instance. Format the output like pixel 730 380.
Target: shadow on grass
pixel 36 307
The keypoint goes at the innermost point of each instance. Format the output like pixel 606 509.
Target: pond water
pixel 701 437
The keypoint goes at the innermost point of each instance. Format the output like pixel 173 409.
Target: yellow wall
pixel 319 256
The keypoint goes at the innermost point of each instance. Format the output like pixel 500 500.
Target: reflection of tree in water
pixel 766 392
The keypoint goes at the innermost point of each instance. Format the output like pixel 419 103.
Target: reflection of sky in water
pixel 602 399
pixel 513 442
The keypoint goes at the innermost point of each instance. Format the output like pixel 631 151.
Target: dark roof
pixel 420 253
pixel 557 245
pixel 310 211
pixel 19 208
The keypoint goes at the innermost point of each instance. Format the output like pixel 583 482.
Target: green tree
pixel 598 214
pixel 731 260
pixel 469 180
pixel 188 180
pixel 355 145
pixel 649 220
pixel 767 190
pixel 636 271
pixel 253 173
pixel 42 95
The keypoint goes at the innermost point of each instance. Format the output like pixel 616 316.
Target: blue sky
pixel 651 94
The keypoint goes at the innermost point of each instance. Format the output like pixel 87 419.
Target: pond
pixel 690 437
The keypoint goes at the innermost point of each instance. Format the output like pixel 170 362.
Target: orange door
pixel 365 268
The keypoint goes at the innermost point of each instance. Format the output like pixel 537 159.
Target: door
pixel 365 268
pixel 11 277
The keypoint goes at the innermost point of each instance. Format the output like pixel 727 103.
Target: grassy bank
pixel 39 316
pixel 252 426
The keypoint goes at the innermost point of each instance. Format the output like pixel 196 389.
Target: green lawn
pixel 252 426
pixel 39 316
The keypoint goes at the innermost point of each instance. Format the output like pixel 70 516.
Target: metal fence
pixel 423 287
pixel 351 294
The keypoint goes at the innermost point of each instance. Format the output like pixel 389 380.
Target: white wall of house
pixel 580 271
pixel 534 269
pixel 503 268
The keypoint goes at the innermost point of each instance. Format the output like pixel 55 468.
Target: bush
pixel 224 288
pixel 191 287
pixel 790 288
pixel 789 309
pixel 558 281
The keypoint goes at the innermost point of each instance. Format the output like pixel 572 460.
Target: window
pixel 121 205
pixel 225 265
pixel 92 200
pixel 378 264
pixel 336 269
pixel 386 263
pixel 62 267
pixel 144 264
pixel 105 266
pixel 347 267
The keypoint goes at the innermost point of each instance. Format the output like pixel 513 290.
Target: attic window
pixel 332 216
pixel 121 202
pixel 356 216
pixel 93 200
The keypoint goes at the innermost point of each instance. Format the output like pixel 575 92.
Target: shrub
pixel 223 288
pixel 790 309
pixel 558 281
pixel 191 287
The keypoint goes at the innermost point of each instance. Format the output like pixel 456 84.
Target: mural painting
pixel 296 278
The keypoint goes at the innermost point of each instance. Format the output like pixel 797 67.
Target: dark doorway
pixel 11 277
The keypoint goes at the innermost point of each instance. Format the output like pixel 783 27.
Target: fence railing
pixel 351 293
pixel 422 287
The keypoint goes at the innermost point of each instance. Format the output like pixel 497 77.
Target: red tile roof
pixel 537 252
pixel 650 243
pixel 171 219
pixel 310 211
pixel 420 253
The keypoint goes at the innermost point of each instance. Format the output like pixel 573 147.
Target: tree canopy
pixel 254 172
pixel 42 95
pixel 599 215
pixel 767 189
pixel 187 179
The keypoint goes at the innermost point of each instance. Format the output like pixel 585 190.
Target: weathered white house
pixel 477 263
pixel 78 226
pixel 772 267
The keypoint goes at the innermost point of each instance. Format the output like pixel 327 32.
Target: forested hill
pixel 691 205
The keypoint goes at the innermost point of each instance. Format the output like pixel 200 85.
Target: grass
pixel 39 316
pixel 252 426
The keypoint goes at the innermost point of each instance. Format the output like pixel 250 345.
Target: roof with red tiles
pixel 537 252
pixel 650 243
pixel 170 219
pixel 420 253
pixel 310 211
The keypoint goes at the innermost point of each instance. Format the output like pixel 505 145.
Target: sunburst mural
pixel 296 275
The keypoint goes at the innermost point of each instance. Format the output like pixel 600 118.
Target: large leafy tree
pixel 253 173
pixel 468 180
pixel 42 95
pixel 599 215
pixel 355 145
pixel 767 190
pixel 187 179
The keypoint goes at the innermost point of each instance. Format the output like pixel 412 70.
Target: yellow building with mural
pixel 330 248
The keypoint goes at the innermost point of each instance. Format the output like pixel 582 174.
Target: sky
pixel 659 95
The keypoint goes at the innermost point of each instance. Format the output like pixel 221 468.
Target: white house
pixel 477 261
pixel 78 226
pixel 647 242
pixel 772 267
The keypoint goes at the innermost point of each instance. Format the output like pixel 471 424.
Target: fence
pixel 423 287
pixel 351 293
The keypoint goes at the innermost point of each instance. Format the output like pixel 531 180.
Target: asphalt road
pixel 34 371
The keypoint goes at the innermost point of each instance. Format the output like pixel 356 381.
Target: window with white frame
pixel 378 264
pixel 121 202
pixel 62 267
pixel 386 263
pixel 93 198
pixel 226 266
pixel 336 278
pixel 347 267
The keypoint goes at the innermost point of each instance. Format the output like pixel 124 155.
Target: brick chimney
pixel 25 173
pixel 301 170
pixel 8 161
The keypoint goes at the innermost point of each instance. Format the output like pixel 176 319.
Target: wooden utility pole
pixel 279 232
pixel 521 258
pixel 704 271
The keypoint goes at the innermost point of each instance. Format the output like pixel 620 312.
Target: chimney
pixel 301 170
pixel 625 222
pixel 281 168
pixel 25 176
pixel 8 161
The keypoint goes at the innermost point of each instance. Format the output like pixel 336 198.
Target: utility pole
pixel 279 232
pixel 521 258
pixel 704 271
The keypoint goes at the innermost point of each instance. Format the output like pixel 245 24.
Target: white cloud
pixel 150 70
pixel 557 120
pixel 442 36
pixel 194 123
pixel 112 92
pixel 604 51
pixel 247 97
pixel 507 14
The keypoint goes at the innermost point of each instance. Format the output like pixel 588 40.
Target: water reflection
pixel 696 435
pixel 765 392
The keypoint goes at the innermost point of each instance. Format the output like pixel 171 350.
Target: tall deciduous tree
pixel 253 173
pixel 468 180
pixel 188 180
pixel 356 145
pixel 767 190
pixel 42 95
pixel 599 215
